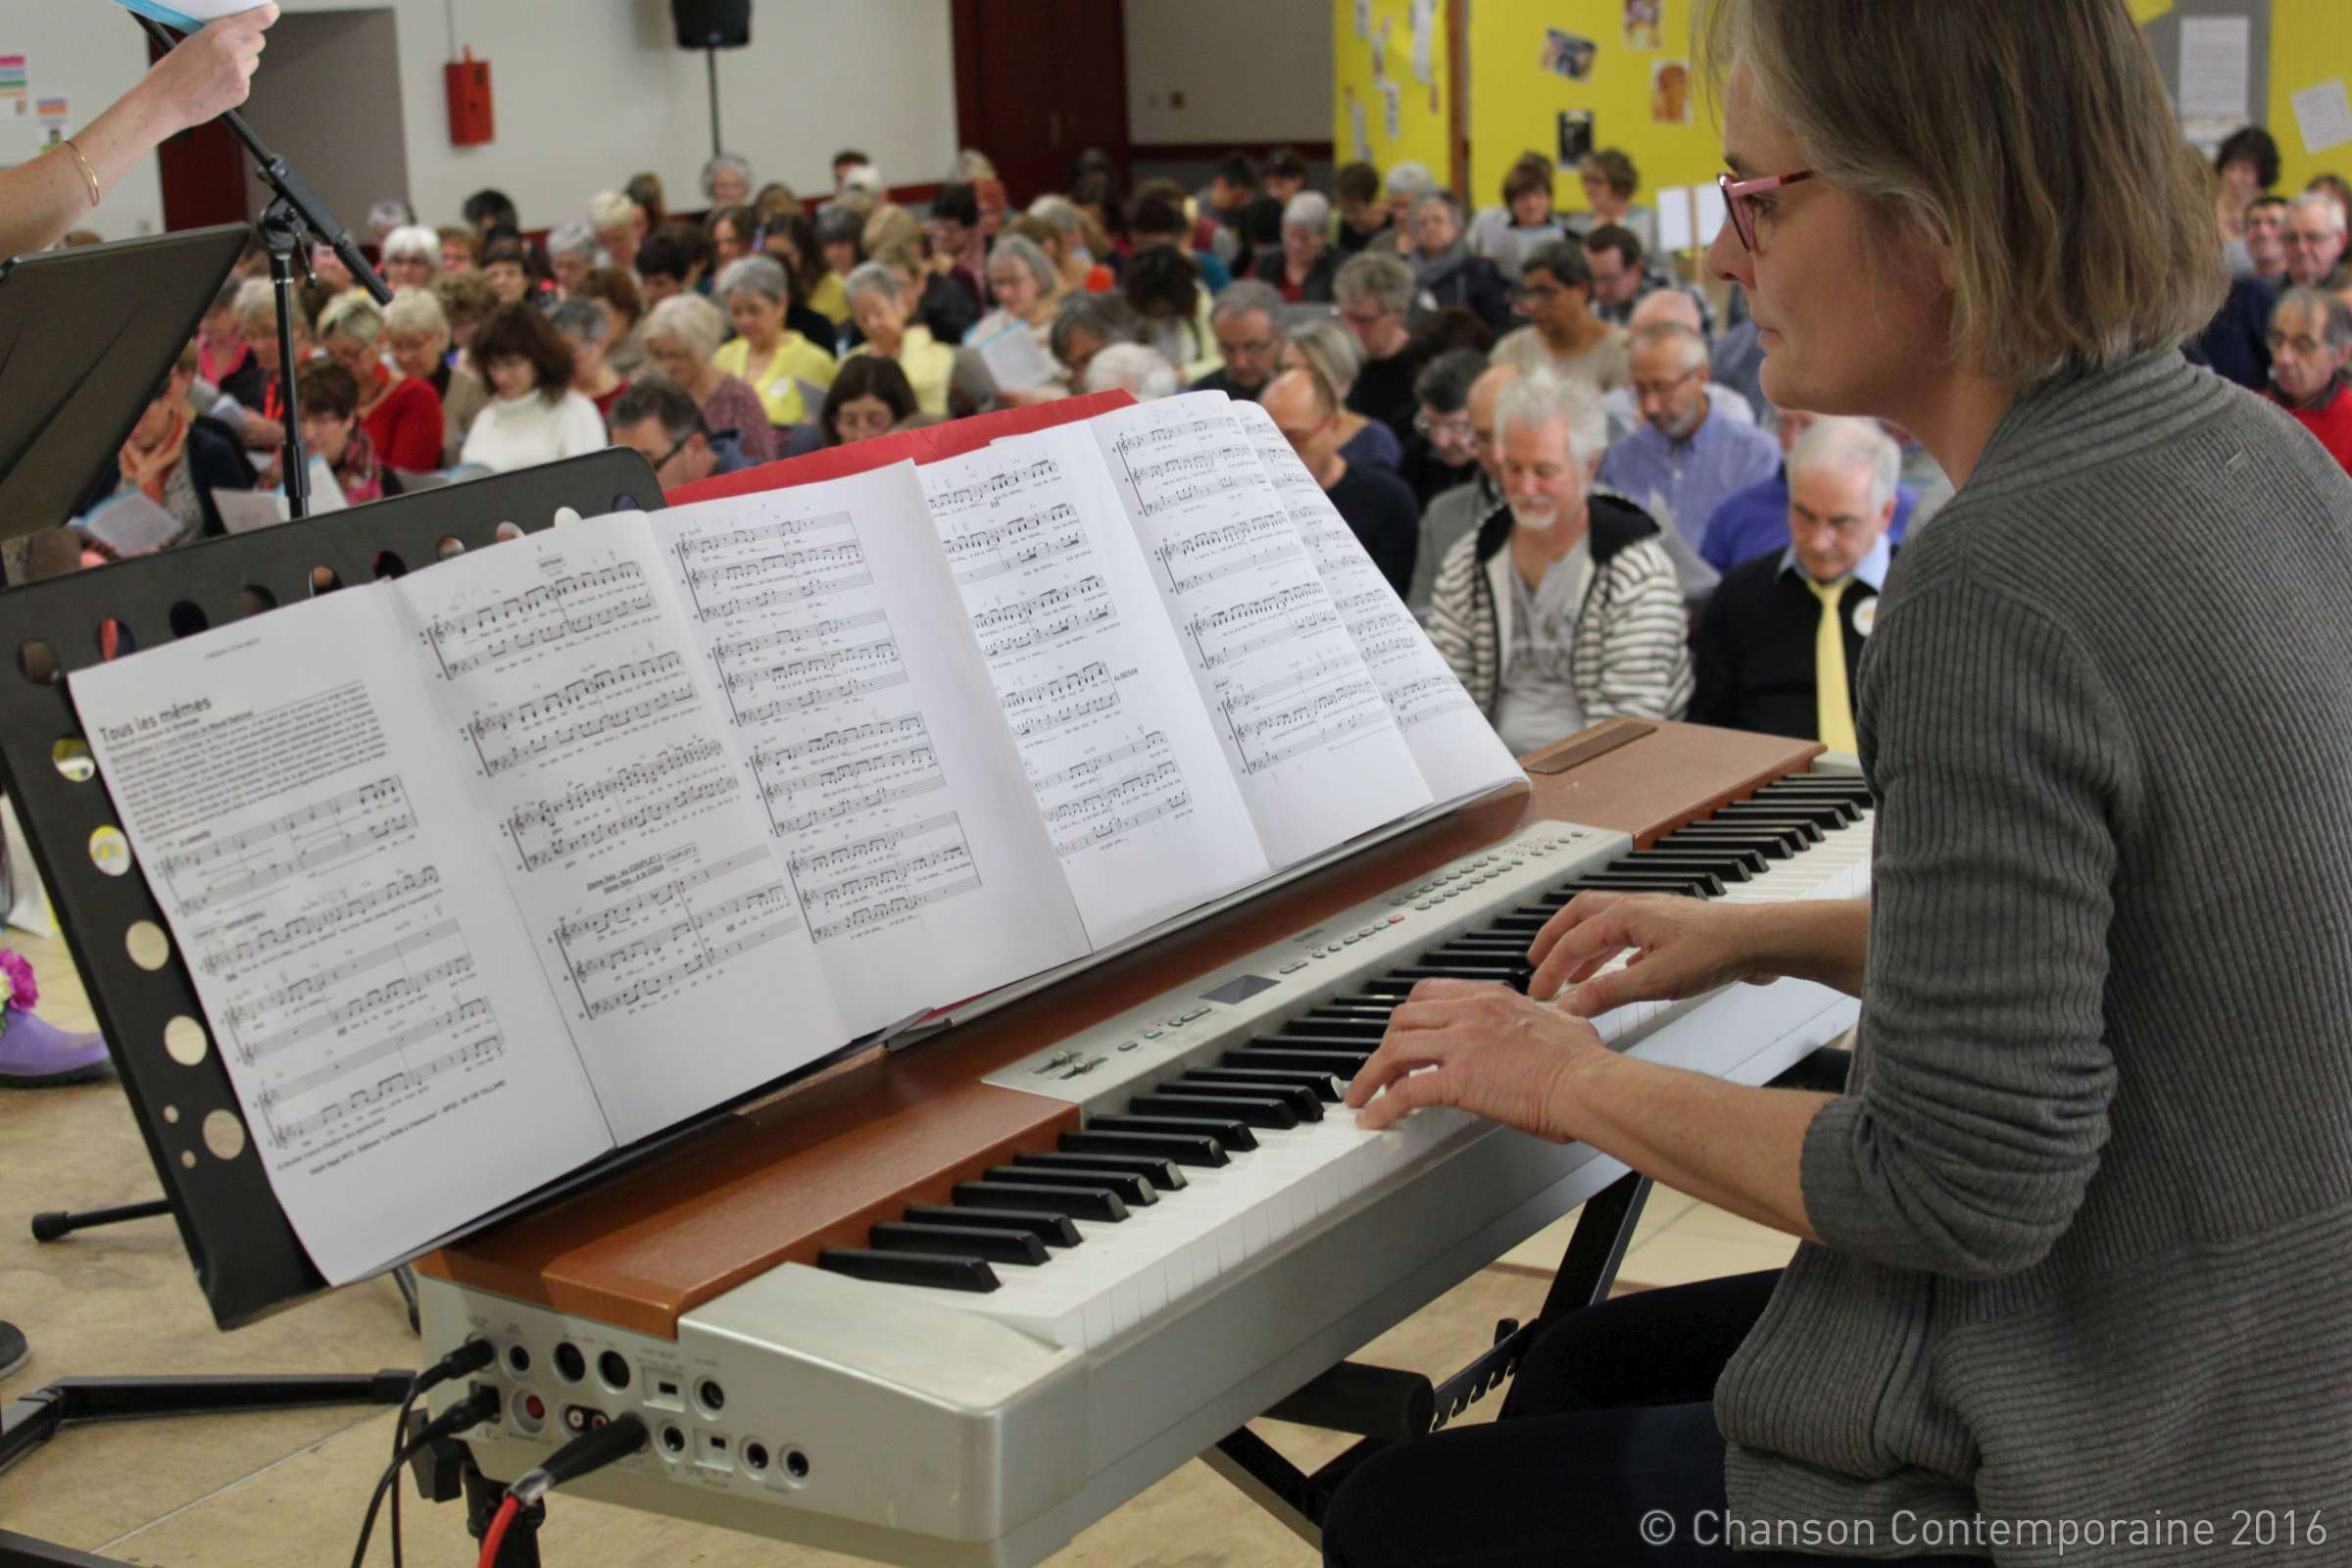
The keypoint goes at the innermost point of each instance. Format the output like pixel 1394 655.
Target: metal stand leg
pixel 56 1224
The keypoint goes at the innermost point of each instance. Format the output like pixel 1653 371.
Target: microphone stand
pixel 296 211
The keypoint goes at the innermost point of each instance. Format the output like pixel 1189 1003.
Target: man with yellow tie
pixel 1780 640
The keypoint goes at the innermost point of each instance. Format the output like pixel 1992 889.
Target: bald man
pixel 1460 509
pixel 1378 507
pixel 1686 456
pixel 1669 304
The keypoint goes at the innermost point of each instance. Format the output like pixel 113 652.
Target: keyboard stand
pixel 1385 1407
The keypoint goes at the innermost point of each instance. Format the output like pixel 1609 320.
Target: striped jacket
pixel 1631 657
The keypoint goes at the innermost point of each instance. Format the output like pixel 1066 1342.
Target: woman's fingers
pixel 1584 907
pixel 1405 1095
pixel 1583 946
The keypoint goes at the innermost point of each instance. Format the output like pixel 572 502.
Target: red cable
pixel 497 1532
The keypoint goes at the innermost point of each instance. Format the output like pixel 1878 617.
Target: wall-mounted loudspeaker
pixel 713 24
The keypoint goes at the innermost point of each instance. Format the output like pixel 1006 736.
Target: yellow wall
pixel 1514 103
pixel 1422 107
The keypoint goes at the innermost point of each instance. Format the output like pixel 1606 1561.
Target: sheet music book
pixel 487 870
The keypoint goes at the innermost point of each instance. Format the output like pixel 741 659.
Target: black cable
pixel 472 1356
pixel 483 1405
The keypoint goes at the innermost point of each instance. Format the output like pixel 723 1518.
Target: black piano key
pixel 1304 1102
pixel 1696 884
pixel 1318 1025
pixel 1851 787
pixel 1163 1174
pixel 1771 845
pixel 1236 1138
pixel 1325 1087
pixel 1357 1002
pixel 1848 809
pixel 957 1240
pixel 1270 1054
pixel 1732 865
pixel 1080 1202
pixel 1184 1149
pixel 909 1268
pixel 1815 822
pixel 1352 1043
pixel 1055 1230
pixel 1135 1191
pixel 1262 1113
pixel 1475 974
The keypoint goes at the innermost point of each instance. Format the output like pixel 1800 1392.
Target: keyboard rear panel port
pixel 672 1441
pixel 755 1457
pixel 582 1418
pixel 570 1365
pixel 795 1464
pixel 713 1397
pixel 519 1360
pixel 613 1368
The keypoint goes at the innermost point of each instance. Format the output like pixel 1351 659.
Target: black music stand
pixel 248 1261
pixel 85 337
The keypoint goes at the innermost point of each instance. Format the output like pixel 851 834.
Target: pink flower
pixel 22 992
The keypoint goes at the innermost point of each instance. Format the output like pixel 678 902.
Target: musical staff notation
pixel 557 611
pixel 320 981
pixel 400 1086
pixel 640 948
pixel 214 872
pixel 304 929
pixel 610 702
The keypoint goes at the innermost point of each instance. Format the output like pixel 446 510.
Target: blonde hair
pixel 2036 142
pixel 353 313
pixel 416 311
pixel 1332 357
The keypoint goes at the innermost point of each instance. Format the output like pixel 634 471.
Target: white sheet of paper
pixel 1363 19
pixel 373 995
pixel 1015 361
pixel 1673 219
pixel 1300 718
pixel 244 510
pixel 1358 133
pixel 327 492
pixel 1135 792
pixel 1424 21
pixel 846 666
pixel 1391 107
pixel 130 522
pixel 626 829
pixel 1457 750
pixel 2325 116
pixel 2216 55
pixel 1712 214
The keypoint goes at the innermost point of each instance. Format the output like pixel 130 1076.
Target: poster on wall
pixel 1424 22
pixel 16 87
pixel 2324 116
pixel 1567 55
pixel 1392 109
pixel 1644 23
pixel 1575 136
pixel 1670 92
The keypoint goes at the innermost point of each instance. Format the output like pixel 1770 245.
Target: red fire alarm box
pixel 472 121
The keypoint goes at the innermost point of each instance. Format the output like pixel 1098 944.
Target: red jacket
pixel 2329 418
pixel 405 427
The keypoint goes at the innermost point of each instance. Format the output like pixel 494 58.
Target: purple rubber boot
pixel 35 1053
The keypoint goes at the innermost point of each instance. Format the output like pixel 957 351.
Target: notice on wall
pixel 2325 116
pixel 1422 17
pixel 2217 56
pixel 16 86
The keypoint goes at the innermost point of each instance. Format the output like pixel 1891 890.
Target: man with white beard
pixel 1562 609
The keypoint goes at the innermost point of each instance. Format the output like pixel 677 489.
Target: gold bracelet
pixel 87 173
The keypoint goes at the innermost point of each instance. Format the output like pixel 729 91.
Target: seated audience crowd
pixel 1527 412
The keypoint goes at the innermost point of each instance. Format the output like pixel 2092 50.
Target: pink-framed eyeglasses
pixel 1737 197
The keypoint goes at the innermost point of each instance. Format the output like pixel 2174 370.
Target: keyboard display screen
pixel 1241 987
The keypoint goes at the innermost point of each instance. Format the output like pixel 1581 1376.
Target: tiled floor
pixel 288 1489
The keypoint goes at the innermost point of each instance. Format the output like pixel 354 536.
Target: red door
pixel 1037 83
pixel 203 174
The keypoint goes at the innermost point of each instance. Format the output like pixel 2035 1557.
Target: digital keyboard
pixel 952 1308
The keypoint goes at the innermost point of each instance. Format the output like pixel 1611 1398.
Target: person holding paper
pixel 2060 1257
pixel 1008 355
pixel 178 458
pixel 209 73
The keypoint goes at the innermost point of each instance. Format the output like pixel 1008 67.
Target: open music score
pixel 1451 743
pixel 1255 616
pixel 489 869
pixel 1078 653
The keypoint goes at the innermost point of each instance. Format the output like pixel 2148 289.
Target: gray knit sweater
pixel 2087 1204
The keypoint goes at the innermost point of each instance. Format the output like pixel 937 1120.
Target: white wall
pixel 588 93
pixel 1248 71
